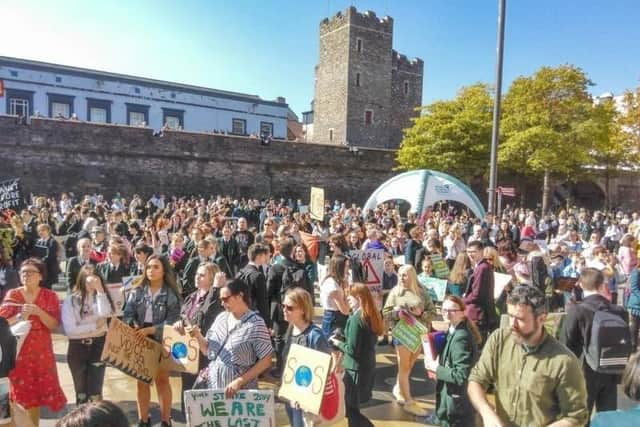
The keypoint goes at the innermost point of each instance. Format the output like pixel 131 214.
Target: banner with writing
pixel 434 286
pixel 304 377
pixel 409 335
pixel 316 206
pixel 500 281
pixel 181 352
pixel 440 267
pixel 116 292
pixel 136 356
pixel 210 408
pixel 10 194
pixel 372 261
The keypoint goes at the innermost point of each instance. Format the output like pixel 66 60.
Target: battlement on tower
pixel 400 62
pixel 367 19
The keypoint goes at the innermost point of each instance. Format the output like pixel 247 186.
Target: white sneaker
pixel 413 408
pixel 397 394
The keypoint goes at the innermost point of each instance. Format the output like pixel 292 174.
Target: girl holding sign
pixel 408 301
pixel 151 304
pixel 84 318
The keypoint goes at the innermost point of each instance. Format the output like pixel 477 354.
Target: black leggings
pixel 87 370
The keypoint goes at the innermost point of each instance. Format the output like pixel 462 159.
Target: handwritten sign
pixel 409 335
pixel 440 267
pixel 500 280
pixel 248 408
pixel 129 281
pixel 10 194
pixel 372 261
pixel 181 352
pixel 316 206
pixel 136 356
pixel 435 286
pixel 116 292
pixel 304 377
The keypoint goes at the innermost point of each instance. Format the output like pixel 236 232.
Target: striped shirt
pixel 248 341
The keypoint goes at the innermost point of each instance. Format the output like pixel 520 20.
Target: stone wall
pixel 404 104
pixel 52 156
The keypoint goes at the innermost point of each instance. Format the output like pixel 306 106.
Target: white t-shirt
pixel 326 288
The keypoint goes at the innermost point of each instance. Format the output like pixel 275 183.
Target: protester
pixel 237 344
pixel 408 300
pixel 333 298
pixel 115 267
pixel 84 319
pixel 34 381
pixel 524 361
pixel 8 275
pixel 453 366
pixel 363 327
pixel 631 387
pixel 298 312
pixel 46 249
pixel 478 297
pixel 153 303
pixel 95 414
pixel 200 309
pixel 74 264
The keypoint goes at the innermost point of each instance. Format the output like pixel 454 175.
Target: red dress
pixel 34 381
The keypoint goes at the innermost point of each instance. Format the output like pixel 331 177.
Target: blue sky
pixel 270 47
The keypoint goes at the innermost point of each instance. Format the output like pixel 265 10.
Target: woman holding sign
pixel 361 334
pixel 238 343
pixel 453 366
pixel 410 302
pixel 84 318
pixel 153 303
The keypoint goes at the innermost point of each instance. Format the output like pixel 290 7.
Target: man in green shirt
pixel 537 381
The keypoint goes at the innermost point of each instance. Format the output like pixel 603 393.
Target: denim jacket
pixel 165 309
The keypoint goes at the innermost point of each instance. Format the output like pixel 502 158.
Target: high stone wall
pixel 52 156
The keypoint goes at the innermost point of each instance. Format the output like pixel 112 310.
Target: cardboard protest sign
pixel 440 267
pixel 11 195
pixel 253 408
pixel 304 377
pixel 181 352
pixel 372 261
pixel 116 292
pixel 136 356
pixel 316 205
pixel 409 335
pixel 438 286
pixel 500 280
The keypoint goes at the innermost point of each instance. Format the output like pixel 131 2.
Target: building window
pixel 98 110
pixel 58 79
pixel 266 129
pixel 137 115
pixel 358 79
pixel 13 73
pixel 406 87
pixel 136 89
pixel 330 135
pixel 19 102
pixel 239 126
pixel 60 106
pixel 368 117
pixel 173 119
pixel 359 45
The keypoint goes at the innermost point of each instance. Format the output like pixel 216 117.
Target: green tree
pixel 543 125
pixel 451 136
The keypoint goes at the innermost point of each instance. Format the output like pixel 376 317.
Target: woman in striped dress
pixel 238 343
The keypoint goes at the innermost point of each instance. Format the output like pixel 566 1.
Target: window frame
pixel 358 80
pixel 99 103
pixel 267 123
pixel 172 112
pixel 137 108
pixel 58 98
pixel 370 122
pixel 405 87
pixel 331 134
pixel 239 120
pixel 19 94
pixel 359 45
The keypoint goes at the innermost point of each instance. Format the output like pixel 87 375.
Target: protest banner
pixel 398 260
pixel 180 352
pixel 438 286
pixel 500 280
pixel 440 267
pixel 211 408
pixel 409 335
pixel 372 261
pixel 316 205
pixel 129 281
pixel 116 292
pixel 11 195
pixel 304 377
pixel 136 356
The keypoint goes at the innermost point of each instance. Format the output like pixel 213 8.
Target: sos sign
pixel 304 377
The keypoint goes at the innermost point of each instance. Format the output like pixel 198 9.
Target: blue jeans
pixel 295 416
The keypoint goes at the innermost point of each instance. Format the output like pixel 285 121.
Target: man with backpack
pixel 597 332
pixel 286 275
pixel 255 280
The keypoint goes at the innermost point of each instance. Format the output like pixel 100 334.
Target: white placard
pixel 253 408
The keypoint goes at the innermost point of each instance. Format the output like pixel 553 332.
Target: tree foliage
pixel 451 136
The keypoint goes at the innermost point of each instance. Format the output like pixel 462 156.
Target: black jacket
pixel 253 277
pixel 8 346
pixel 274 288
pixel 206 312
pixel 47 251
pixel 73 269
pixel 110 274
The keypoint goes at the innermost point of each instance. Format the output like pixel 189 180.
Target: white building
pixel 30 87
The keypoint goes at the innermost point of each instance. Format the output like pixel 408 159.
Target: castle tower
pixel 364 93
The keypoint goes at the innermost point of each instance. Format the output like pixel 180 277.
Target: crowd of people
pixel 244 276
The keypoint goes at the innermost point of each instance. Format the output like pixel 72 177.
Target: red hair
pixel 369 312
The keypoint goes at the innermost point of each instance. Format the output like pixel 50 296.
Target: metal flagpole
pixel 493 172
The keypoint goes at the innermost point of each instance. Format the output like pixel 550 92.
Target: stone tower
pixel 365 92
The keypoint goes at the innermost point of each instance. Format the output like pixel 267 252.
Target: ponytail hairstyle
pixel 470 323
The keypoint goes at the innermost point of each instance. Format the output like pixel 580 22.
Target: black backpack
pixel 293 277
pixel 609 345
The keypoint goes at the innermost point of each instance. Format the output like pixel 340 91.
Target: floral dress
pixel 34 381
